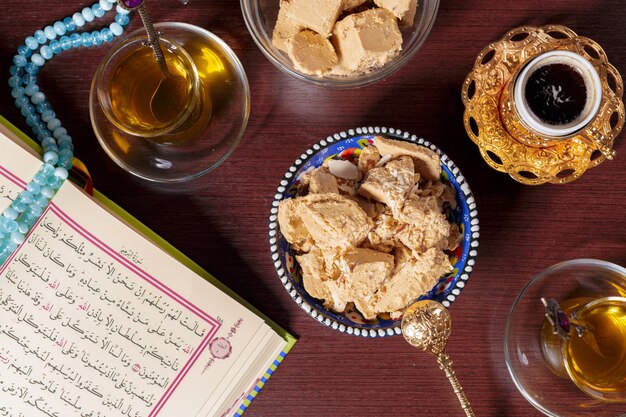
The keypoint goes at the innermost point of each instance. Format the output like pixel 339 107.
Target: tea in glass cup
pixel 149 125
pixel 584 338
pixel 567 356
pixel 140 100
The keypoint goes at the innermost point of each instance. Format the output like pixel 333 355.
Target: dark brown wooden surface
pixel 220 220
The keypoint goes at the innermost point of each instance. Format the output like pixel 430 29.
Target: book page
pixel 251 375
pixel 97 321
pixel 237 372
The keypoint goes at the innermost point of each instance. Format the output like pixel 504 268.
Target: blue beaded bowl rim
pixel 462 276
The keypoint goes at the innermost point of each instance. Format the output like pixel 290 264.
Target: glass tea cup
pixel 577 375
pixel 200 141
pixel 139 100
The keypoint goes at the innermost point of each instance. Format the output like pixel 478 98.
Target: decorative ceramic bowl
pixel 352 322
pixel 260 17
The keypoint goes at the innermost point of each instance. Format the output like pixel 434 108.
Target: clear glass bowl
pixel 222 79
pixel 260 17
pixel 551 394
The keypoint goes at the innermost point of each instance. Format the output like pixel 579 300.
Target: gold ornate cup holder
pixel 505 142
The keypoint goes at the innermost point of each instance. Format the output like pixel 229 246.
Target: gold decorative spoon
pixel 427 325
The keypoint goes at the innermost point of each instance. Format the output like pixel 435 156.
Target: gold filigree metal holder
pixel 505 142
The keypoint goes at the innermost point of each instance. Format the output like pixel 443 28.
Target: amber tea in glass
pixel 140 100
pixel 593 354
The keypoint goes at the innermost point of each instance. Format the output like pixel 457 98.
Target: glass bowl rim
pixel 338 83
pixel 606 265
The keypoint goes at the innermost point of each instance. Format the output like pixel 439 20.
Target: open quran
pixel 98 320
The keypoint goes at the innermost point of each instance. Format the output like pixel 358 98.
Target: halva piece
pixel 402 9
pixel 367 40
pixel 427 162
pixel 383 236
pixel 427 229
pixel 291 225
pixel 369 158
pixel 411 277
pixel 390 184
pixel 311 53
pixel 363 270
pixel 285 27
pixel 334 220
pixel 317 15
pixel 322 182
pixel 352 4
pixel 316 274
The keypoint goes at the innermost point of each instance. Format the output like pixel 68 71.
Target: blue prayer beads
pixel 66 43
pixel 59 28
pixel 40 37
pixel 17 219
pixel 46 52
pixel 55 46
pixel 36 59
pixel 19 60
pixel 122 19
pixel 31 43
pixel 79 20
pixel 97 10
pixel 76 40
pixel 31 68
pixel 50 32
pixel 107 35
pixel 97 37
pixel 106 5
pixel 86 39
pixel 70 25
pixel 24 50
pixel 116 28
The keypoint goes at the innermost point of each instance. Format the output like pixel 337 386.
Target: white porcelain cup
pixel 592 83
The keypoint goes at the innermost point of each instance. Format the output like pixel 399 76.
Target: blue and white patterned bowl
pixel 344 144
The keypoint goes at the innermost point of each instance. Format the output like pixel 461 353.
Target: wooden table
pixel 220 220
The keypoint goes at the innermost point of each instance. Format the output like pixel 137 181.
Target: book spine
pixel 259 385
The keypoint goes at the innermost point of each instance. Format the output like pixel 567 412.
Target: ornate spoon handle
pixel 153 39
pixel 445 363
pixel 153 35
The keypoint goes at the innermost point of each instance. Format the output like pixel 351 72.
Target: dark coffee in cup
pixel 557 93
